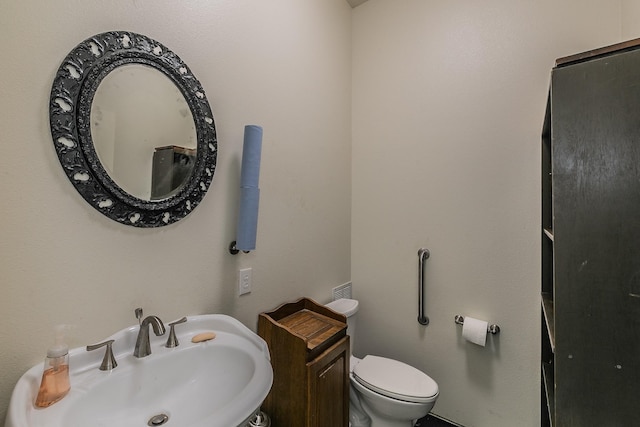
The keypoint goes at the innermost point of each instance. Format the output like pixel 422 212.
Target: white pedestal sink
pixel 217 383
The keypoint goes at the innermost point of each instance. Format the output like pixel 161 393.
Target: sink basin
pixel 217 383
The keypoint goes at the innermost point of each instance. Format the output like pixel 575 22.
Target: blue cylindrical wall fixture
pixel 249 191
pixel 251 153
pixel 248 218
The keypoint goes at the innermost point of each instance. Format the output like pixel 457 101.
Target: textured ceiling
pixel 355 3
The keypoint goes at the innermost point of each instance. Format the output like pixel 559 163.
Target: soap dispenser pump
pixel 55 379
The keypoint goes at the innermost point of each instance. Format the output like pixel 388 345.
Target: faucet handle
pixel 172 341
pixel 108 362
pixel 139 312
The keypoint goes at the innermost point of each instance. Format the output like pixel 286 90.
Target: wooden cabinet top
pixel 313 325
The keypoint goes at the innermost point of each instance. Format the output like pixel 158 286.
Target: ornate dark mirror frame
pixel 72 94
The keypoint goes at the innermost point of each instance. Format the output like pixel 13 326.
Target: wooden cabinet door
pixel 328 379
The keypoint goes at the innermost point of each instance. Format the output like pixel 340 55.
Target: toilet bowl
pixel 392 393
pixel 384 392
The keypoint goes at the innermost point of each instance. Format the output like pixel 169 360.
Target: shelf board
pixel 547 309
pixel 549 388
pixel 549 233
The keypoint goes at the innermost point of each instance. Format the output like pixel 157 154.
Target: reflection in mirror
pixel 143 131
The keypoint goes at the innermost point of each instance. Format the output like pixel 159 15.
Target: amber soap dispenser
pixel 55 379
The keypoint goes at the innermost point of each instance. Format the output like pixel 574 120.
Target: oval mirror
pixel 133 129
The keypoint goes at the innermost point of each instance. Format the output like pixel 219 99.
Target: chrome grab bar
pixel 423 255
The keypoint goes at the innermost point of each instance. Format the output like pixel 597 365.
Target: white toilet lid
pixel 395 379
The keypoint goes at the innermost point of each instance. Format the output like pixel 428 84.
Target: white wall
pixel 283 64
pixel 448 104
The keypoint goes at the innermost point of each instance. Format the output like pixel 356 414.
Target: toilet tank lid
pixel 344 306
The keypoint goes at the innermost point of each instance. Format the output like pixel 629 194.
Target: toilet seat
pixel 394 379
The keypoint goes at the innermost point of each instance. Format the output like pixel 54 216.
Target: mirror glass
pixel 133 129
pixel 143 131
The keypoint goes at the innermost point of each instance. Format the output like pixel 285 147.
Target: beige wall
pixel 283 64
pixel 448 104
pixel 630 19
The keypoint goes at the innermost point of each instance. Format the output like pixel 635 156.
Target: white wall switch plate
pixel 244 281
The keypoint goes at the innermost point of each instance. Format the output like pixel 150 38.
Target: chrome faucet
pixel 143 347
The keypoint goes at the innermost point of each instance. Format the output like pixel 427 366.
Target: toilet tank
pixel 349 308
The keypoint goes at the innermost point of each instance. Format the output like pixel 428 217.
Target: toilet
pixel 384 392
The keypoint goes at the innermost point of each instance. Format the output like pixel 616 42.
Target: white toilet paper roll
pixel 475 331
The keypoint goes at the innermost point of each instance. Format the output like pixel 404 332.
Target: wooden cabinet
pixel 591 240
pixel 171 167
pixel 310 353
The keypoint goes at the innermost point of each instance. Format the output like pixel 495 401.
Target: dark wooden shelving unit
pixel 590 240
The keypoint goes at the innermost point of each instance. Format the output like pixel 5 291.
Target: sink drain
pixel 158 420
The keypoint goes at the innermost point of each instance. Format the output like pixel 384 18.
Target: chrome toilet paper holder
pixel 494 329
